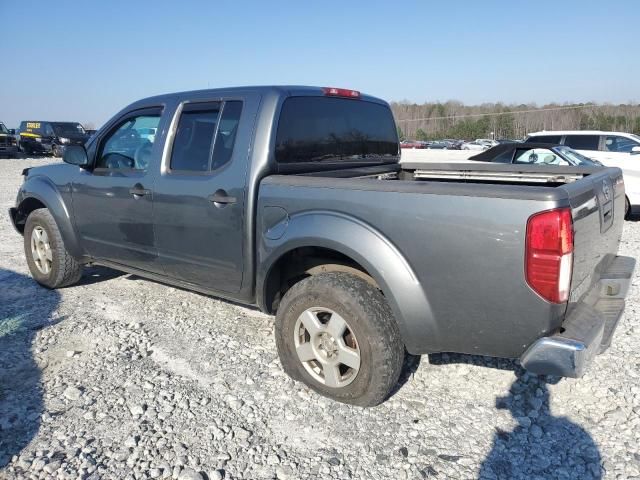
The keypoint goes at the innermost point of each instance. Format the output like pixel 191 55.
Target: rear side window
pixel 194 138
pixel 335 130
pixel 582 142
pixel 544 139
pixel 226 136
pixel 194 147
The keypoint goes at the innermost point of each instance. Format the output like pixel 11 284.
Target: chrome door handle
pixel 138 191
pixel 221 198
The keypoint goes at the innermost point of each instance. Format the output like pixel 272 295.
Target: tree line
pixel 452 119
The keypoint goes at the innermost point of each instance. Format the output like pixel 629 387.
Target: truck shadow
pixel 25 308
pixel 541 445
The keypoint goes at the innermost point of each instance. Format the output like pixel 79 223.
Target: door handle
pixel 139 191
pixel 221 198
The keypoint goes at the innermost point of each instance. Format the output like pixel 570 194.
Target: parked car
pixel 614 149
pixel 507 140
pixel 358 256
pixel 455 144
pixel 8 143
pixel 440 145
pixel 413 144
pixel 534 154
pixel 37 136
pixel 478 144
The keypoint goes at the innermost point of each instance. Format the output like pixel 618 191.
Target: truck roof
pixel 283 90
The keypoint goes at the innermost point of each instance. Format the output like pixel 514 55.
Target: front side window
pixel 582 142
pixel 127 146
pixel 615 143
pixel 335 130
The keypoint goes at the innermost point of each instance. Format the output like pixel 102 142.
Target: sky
pixel 83 60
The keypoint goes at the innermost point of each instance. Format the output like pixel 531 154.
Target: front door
pixel 199 196
pixel 113 201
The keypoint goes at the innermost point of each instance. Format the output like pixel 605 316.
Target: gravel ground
pixel 120 377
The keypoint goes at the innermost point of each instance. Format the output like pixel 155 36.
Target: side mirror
pixel 75 155
pixel 635 150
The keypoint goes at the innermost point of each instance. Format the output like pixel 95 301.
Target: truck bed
pixel 461 231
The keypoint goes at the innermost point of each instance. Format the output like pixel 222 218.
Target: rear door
pixel 199 196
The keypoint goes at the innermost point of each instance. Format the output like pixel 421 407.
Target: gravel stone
pixel 72 393
pixel 120 377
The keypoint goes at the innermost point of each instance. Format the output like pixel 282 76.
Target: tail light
pixel 340 92
pixel 549 254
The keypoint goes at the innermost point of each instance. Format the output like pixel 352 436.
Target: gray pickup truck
pixel 293 199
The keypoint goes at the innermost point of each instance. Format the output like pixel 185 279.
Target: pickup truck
pixel 293 199
pixel 8 143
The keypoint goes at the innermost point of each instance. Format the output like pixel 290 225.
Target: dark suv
pixel 50 137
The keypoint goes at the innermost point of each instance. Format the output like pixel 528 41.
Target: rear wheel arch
pixel 301 262
pixel 370 253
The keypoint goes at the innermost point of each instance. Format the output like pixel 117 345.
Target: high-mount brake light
pixel 341 92
pixel 549 254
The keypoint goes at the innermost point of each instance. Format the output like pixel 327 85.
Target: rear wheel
pixel 49 262
pixel 336 333
pixel 55 151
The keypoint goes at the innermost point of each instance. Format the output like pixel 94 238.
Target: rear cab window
pixel 328 132
pixel 582 142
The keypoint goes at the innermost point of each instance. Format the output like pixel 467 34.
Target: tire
pixel 52 267
pixel 627 208
pixel 55 151
pixel 371 332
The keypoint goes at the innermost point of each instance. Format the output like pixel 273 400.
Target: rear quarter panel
pixel 463 243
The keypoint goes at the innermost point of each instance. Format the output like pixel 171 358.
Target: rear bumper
pixel 588 328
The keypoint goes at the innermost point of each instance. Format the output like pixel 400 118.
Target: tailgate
pixel 598 207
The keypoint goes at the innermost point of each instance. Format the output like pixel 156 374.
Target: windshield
pixel 574 157
pixel 70 128
pixel 3 129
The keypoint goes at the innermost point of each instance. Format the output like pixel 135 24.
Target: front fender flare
pixel 43 190
pixel 373 251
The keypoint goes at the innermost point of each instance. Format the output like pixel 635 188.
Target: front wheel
pixel 55 151
pixel 336 333
pixel 627 208
pixel 49 262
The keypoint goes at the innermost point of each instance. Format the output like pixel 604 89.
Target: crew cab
pixel 293 199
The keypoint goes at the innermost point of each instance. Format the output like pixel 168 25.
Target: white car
pixel 613 149
pixel 479 144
